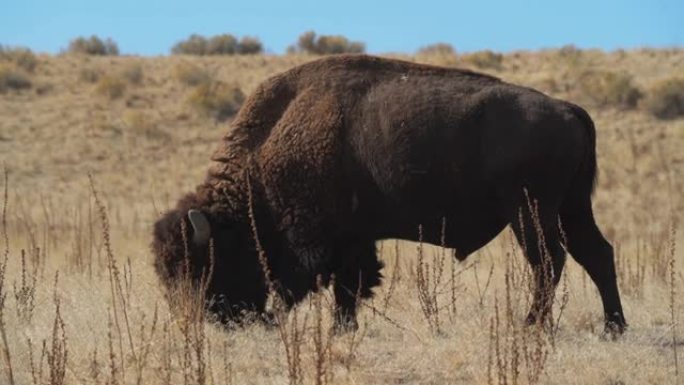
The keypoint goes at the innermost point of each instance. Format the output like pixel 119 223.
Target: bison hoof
pixel 615 326
pixel 268 319
pixel 534 318
pixel 345 325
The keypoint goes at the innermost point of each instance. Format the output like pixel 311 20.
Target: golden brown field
pixel 80 302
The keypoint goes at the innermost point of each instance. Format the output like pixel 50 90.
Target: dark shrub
pixel 437 49
pixel 112 87
pixel 89 75
pixel 190 74
pixel 13 78
pixel 194 45
pixel 606 88
pixel 666 99
pixel 221 45
pixel 22 57
pixel 485 59
pixel 308 42
pixel 249 45
pixel 216 99
pixel 224 44
pixel 93 46
pixel 569 51
pixel 133 73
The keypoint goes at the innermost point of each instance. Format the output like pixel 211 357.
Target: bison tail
pixel 587 176
pixel 576 214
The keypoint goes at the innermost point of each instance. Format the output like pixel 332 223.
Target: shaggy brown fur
pixel 343 151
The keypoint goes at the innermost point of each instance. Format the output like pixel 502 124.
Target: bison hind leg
pixel 536 229
pixel 592 251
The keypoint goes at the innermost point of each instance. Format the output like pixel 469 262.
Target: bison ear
pixel 200 227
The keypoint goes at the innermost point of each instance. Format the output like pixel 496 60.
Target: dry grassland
pixel 80 302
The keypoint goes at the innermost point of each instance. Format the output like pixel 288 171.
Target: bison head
pixel 182 239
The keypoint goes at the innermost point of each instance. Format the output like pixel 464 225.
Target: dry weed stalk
pixel 290 332
pixel 25 295
pixel 3 270
pixel 322 339
pixel 453 287
pixel 128 278
pixel 4 213
pixel 292 337
pixel 516 351
pixel 166 359
pixel 3 332
pixel 36 371
pixel 502 360
pixel 355 338
pixel 482 291
pixel 632 271
pixel 91 236
pixel 94 368
pixel 544 273
pixel 535 352
pixel 394 278
pixel 490 353
pixel 501 363
pixel 189 301
pixel 536 341
pixel 121 286
pixel 200 349
pixel 48 226
pixel 58 353
pixel 261 253
pixel 673 298
pixel 659 258
pixel 389 320
pixel 210 369
pixel 114 280
pixel 562 304
pixel 506 342
pixel 565 296
pixel 511 345
pixel 27 223
pixel 227 366
pixel 428 278
pixel 146 339
pixel 512 324
pixel 77 258
pixel 113 363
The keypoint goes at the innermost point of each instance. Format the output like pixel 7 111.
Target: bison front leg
pixel 357 271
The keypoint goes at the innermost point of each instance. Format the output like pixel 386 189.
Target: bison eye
pixel 200 227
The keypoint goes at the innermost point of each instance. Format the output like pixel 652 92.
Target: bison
pixel 331 156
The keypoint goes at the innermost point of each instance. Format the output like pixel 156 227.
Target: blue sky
pixel 152 27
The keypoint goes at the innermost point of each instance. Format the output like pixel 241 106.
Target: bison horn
pixel 200 227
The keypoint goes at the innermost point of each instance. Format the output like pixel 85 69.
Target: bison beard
pixel 331 156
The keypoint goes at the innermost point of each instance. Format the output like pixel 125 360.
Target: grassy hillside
pixel 82 303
